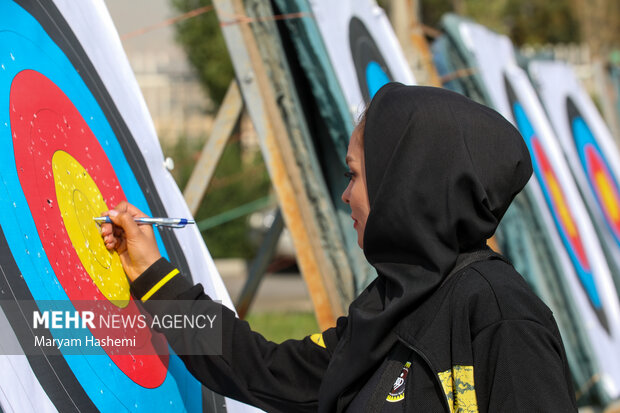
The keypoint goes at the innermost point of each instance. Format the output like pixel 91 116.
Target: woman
pixel 448 325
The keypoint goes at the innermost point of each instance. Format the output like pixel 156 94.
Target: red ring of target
pixel 43 121
pixel 561 206
pixel 605 187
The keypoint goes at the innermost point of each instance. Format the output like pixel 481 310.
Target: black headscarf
pixel 441 171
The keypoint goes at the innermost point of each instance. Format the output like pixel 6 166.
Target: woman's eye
pixel 349 175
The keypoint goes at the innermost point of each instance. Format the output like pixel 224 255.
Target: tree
pixel 234 183
pixel 202 39
pixel 524 21
pixel 540 22
pixel 599 21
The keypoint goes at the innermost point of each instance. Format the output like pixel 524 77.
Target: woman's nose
pixel 345 194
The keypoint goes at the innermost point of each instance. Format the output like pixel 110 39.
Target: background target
pixel 362 47
pixel 589 148
pixel 594 163
pixel 370 67
pixel 555 201
pixel 56 117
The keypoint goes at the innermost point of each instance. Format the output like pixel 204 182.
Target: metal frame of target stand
pixel 320 252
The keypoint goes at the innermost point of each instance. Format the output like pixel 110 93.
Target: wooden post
pixel 225 121
pixel 408 29
pixel 281 161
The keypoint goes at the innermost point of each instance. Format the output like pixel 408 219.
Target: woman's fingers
pixel 106 229
pixel 124 220
pixel 125 206
pixel 135 244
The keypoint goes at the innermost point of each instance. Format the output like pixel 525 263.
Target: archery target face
pixel 557 201
pixel 62 165
pixel 362 47
pixel 601 181
pixel 555 197
pixel 592 288
pixel 587 144
pixel 61 192
pixel 63 196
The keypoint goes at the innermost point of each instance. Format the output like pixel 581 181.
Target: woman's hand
pixel 135 244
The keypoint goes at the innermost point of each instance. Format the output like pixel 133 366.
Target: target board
pixel 76 139
pixel 557 199
pixel 587 144
pixel 362 47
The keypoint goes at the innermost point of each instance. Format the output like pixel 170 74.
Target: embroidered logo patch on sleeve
pixel 398 390
pixel 458 385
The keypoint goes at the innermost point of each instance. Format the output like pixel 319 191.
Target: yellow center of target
pixel 558 197
pixel 607 193
pixel 80 201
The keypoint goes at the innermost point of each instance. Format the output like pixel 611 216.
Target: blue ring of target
pixel 375 78
pixel 587 279
pixel 94 373
pixel 583 138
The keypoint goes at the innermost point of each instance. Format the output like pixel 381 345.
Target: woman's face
pixel 356 194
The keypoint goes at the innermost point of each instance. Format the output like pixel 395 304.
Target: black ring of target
pixel 363 51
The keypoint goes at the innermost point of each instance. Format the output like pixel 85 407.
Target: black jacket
pixel 441 170
pixel 484 342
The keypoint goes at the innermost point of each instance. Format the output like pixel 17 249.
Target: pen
pixel 160 222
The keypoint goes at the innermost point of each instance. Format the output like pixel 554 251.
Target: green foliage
pixel 234 183
pixel 524 21
pixel 202 39
pixel 278 327
pixel 432 10
pixel 184 152
pixel 540 21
